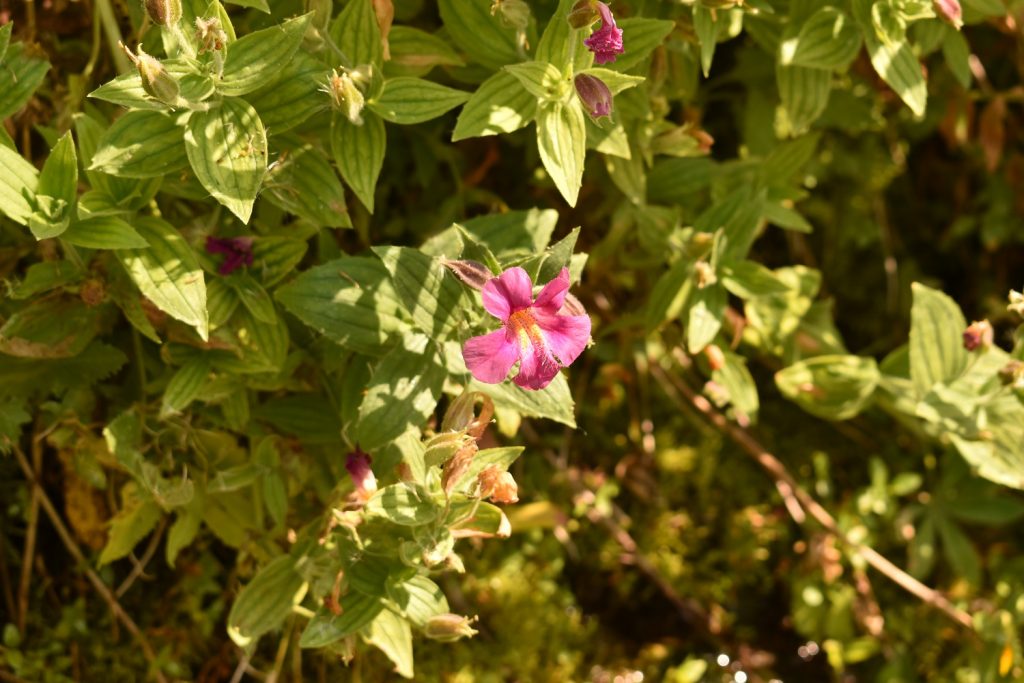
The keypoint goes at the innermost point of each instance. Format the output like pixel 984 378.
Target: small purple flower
pixel 358 465
pixel 605 42
pixel 237 250
pixel 594 94
pixel 534 332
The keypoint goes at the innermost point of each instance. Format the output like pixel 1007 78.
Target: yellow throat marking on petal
pixel 526 329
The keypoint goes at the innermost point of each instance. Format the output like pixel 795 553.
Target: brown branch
pixel 30 539
pixel 94 579
pixel 140 565
pixel 681 393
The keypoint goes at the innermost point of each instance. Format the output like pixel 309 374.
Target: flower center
pixel 526 329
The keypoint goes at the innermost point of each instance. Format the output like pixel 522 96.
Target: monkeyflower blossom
pixel 238 251
pixel 534 332
pixel 605 42
pixel 358 465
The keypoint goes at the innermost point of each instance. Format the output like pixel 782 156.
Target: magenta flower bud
pixel 594 94
pixel 978 334
pixel 538 333
pixel 237 250
pixel 358 465
pixel 164 12
pixel 949 11
pixel 605 42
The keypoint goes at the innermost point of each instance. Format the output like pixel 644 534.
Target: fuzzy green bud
pixel 346 95
pixel 155 79
pixel 210 35
pixel 449 627
pixel 164 12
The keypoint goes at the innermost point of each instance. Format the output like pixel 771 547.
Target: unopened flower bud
pixel 473 273
pixel 498 485
pixel 164 12
pixel 595 95
pixel 705 274
pixel 949 11
pixel 155 79
pixel 1016 304
pixel 583 14
pixel 449 627
pixel 346 95
pixel 512 13
pixel 210 35
pixel 92 292
pixel 358 465
pixel 1012 374
pixel 716 359
pixel 457 466
pixel 978 335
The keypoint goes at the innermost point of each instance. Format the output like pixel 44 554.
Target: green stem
pixel 113 32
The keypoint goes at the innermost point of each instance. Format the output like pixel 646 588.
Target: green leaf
pixel 829 39
pixel 126 90
pixel 739 384
pixel 104 232
pixel 184 387
pixel 350 300
pixel 227 148
pixel 183 531
pixel 414 100
pixel 415 52
pixel 500 105
pixel 304 183
pixel 705 317
pixel 705 25
pixel 640 37
pixel 957 54
pixel 554 402
pixel 17 176
pixel 274 258
pixel 788 158
pixel 359 154
pixel 669 294
pixel 418 599
pixel 426 290
pixel 50 327
pixel 479 33
pixel 403 504
pixel 168 273
pixel 357 33
pixel 937 352
pixel 251 57
pixel 542 80
pixel 959 551
pixel 131 524
pixel 562 141
pixel 357 610
pixel 292 96
pixel 266 601
pixel 261 5
pixel 5 38
pixel 252 296
pixel 20 75
pixel 894 61
pixel 749 279
pixel 59 177
pixel 832 387
pixel 805 93
pixel 393 636
pixel 142 144
pixel 489 457
pixel 616 82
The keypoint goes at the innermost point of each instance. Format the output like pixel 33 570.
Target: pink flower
pixel 949 11
pixel 238 251
pixel 594 94
pixel 358 465
pixel 534 331
pixel 605 42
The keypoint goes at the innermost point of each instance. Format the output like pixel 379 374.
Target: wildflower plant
pixel 292 282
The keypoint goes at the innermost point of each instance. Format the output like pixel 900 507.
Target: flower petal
pixel 507 293
pixel 537 367
pixel 552 297
pixel 490 356
pixel 566 335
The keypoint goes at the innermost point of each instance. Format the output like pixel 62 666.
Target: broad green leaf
pixel 937 353
pixel 804 94
pixel 350 300
pixel 957 54
pixel 749 279
pixel 414 100
pixel 126 90
pixel 30 376
pixel 488 457
pixel 263 345
pixel 426 290
pixel 105 232
pixel 293 96
pixel 304 183
pixel 788 158
pixel 261 5
pixel 542 80
pixel 829 39
pixel 49 327
pixel 403 504
pixel 142 144
pixel 415 52
pixel 109 194
pixel 131 524
pixel 562 141
pixel 359 154
pixel 705 26
pixel 168 273
pixel 309 417
pixel 959 551
pixel 59 177
pixel 418 599
pixel 832 387
pixel 274 258
pixel 640 37
pixel 393 636
pixel 500 105
pixel 357 33
pixel 554 402
pixel 704 319
pixel 402 392
pixel 183 531
pixel 561 45
pixel 894 61
pixel 737 381
pixel 253 296
pixel 227 148
pixel 669 294
pixel 616 82
pixel 184 387
pixel 250 58
pixel 357 610
pixel 16 177
pixel 479 33
pixel 20 75
pixel 266 601
pixel 5 38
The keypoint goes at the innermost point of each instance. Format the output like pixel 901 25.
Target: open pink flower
pixel 358 465
pixel 605 42
pixel 534 331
